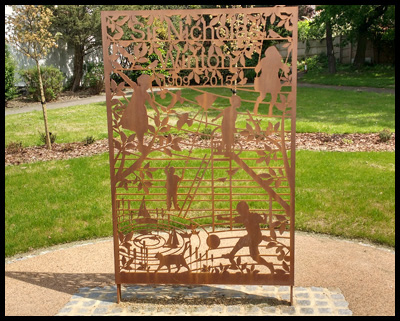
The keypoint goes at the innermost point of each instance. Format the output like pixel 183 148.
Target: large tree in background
pixel 365 17
pixel 28 31
pixel 357 22
pixel 327 16
pixel 80 26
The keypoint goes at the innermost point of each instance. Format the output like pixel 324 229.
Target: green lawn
pixel 346 194
pixel 318 110
pixel 379 76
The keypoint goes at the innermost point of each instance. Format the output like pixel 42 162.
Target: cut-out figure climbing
pixel 172 187
pixel 254 237
pixel 268 81
pixel 135 115
pixel 228 128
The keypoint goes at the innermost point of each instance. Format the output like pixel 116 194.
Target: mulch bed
pixel 309 141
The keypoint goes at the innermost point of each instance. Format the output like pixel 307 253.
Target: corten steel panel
pixel 202 162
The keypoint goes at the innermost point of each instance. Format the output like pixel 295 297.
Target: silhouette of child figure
pixel 268 81
pixel 135 115
pixel 228 128
pixel 253 238
pixel 172 187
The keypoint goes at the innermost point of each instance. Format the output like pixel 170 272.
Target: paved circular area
pixel 47 281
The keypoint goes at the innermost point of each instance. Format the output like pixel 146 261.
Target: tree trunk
pixel 43 101
pixel 329 49
pixel 78 66
pixel 362 38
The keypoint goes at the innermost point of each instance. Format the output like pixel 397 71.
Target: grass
pixel 318 110
pixel 345 194
pixel 379 76
pixel 56 202
pixel 71 124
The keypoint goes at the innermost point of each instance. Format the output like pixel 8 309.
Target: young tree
pixel 28 31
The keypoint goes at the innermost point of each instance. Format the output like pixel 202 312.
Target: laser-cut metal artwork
pixel 202 162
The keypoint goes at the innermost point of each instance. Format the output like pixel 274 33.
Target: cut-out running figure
pixel 172 187
pixel 135 115
pixel 253 238
pixel 268 81
pixel 228 128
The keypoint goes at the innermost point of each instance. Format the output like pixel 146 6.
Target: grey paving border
pixel 215 300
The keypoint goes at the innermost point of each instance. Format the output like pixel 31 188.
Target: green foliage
pixel 206 133
pixel 380 76
pixel 42 137
pixel 385 135
pixel 28 30
pixel 14 147
pixel 94 77
pixel 309 31
pixel 52 79
pixel 316 63
pixel 88 140
pixel 10 89
pixel 134 74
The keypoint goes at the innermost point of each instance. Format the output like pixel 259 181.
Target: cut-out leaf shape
pixel 270 245
pixel 273 34
pixel 282 228
pixel 184 119
pixel 281 218
pixel 232 172
pixel 285 266
pixel 205 100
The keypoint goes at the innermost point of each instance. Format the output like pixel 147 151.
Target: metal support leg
pixel 291 295
pixel 118 293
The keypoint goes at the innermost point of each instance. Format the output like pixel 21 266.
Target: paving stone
pixel 307 311
pixel 288 310
pixel 338 296
pixel 302 295
pixel 254 311
pixel 340 303
pixel 321 303
pixel 345 312
pixel 217 309
pixel 89 303
pixel 268 310
pixel 306 301
pixel 326 311
pixel 233 309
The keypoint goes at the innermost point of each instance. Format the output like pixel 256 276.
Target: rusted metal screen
pixel 202 154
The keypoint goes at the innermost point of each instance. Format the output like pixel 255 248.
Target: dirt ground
pixel 43 283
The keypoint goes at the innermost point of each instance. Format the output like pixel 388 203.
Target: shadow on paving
pixel 63 282
pixel 147 294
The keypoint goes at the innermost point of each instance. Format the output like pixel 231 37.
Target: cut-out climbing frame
pixel 202 160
